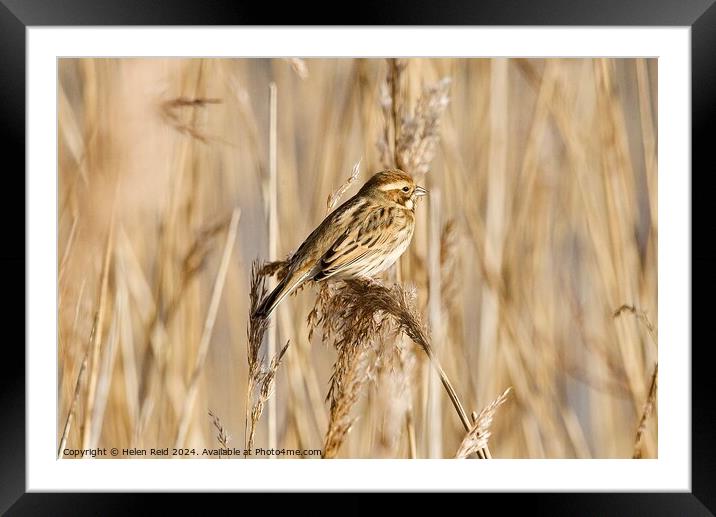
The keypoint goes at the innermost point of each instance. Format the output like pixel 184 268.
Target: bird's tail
pixel 285 287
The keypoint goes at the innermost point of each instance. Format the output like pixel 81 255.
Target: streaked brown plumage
pixel 361 238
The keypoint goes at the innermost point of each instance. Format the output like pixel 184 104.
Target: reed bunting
pixel 359 239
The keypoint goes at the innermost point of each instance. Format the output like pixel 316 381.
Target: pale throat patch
pixel 409 204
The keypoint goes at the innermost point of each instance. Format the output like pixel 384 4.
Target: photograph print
pixel 357 258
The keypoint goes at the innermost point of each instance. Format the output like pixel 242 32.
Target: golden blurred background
pixel 543 207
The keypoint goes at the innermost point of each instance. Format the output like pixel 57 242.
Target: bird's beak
pixel 420 191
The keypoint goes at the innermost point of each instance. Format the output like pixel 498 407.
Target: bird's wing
pixel 357 243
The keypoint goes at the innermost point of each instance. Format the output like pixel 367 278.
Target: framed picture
pixel 252 249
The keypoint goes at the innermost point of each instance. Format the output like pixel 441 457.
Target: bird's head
pixel 396 186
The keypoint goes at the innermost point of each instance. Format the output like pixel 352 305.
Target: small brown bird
pixel 359 239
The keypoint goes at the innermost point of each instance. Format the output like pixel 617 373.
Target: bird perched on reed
pixel 360 239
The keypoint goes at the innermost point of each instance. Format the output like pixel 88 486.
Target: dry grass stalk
pixel 272 206
pixel 266 384
pixel 106 367
pixel 434 432
pixel 449 264
pixel 336 195
pixel 353 369
pixel 409 137
pixel 391 107
pixel 397 376
pixel 175 288
pixel 410 429
pixel 163 312
pixel 359 311
pixel 420 130
pixel 203 350
pixel 171 110
pixel 222 436
pixel 370 297
pixel 256 331
pixel 415 134
pixel 650 403
pixel 177 236
pixel 477 438
pixel 649 137
pixel 66 254
pixel 96 342
pixel 195 257
pixel 260 378
pixel 646 413
pixel 641 316
pixel 359 337
pixel 75 398
pixel 299 66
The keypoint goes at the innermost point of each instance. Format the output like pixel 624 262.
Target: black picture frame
pixel 17 15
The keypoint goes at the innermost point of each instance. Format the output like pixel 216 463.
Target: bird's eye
pixel 406 189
